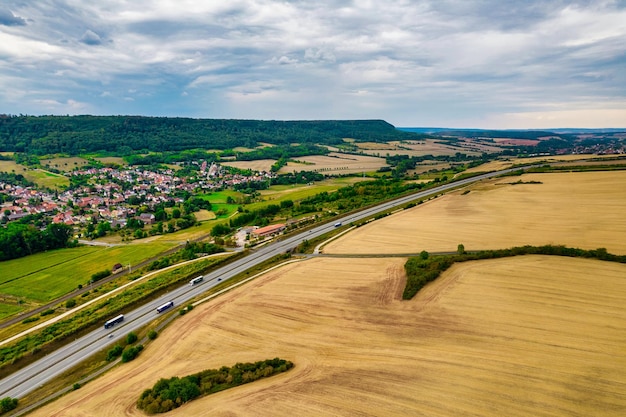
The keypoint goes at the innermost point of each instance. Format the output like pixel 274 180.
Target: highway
pixel 38 373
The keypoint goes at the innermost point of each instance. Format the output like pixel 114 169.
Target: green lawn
pixel 220 197
pixel 230 209
pixel 43 277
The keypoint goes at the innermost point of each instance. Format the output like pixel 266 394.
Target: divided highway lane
pixel 29 378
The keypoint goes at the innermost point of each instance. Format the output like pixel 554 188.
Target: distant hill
pixel 75 135
pixel 508 133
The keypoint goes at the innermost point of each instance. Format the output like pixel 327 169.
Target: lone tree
pixel 460 249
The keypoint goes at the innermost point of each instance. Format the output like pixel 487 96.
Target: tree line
pixel 17 239
pixel 423 269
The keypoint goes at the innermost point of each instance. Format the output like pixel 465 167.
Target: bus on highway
pixel 165 306
pixel 196 280
pixel 114 321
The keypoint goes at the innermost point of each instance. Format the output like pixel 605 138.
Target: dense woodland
pixel 74 135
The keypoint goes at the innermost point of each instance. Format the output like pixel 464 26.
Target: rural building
pixel 117 268
pixel 147 218
pixel 268 230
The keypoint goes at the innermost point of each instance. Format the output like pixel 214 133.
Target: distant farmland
pixel 335 164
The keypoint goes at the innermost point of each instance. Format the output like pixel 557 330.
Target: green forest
pixel 123 135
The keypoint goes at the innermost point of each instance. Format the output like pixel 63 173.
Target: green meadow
pixel 45 276
pixel 40 177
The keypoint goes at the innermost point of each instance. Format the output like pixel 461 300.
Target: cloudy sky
pixel 451 63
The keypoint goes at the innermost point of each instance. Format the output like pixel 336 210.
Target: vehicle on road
pixel 338 224
pixel 114 321
pixel 165 306
pixel 196 280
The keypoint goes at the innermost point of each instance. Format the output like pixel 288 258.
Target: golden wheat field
pixel 257 165
pixel 552 159
pixel 522 336
pixel 584 210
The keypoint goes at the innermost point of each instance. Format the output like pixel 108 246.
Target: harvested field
pixel 258 165
pixel 11 166
pixel 203 215
pixel 584 210
pixel 335 164
pixel 64 163
pixel 555 159
pixel 521 336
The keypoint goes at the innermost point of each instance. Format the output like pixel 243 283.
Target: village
pixel 114 195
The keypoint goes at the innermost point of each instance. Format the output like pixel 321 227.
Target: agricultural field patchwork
pixel 527 335
pixel 556 160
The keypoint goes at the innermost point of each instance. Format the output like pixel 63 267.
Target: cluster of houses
pixel 109 193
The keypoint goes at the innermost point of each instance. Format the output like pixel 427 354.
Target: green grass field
pixel 47 179
pixel 40 177
pixel 7 310
pixel 221 197
pixel 43 277
pixel 277 193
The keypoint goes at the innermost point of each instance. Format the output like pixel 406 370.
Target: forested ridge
pixel 73 135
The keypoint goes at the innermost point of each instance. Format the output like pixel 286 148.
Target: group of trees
pixel 127 353
pixel 168 394
pixel 17 239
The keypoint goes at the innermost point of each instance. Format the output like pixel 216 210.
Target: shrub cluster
pixel 101 274
pixel 131 352
pixel 171 393
pixel 7 404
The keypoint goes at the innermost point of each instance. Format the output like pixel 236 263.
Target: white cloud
pixel 453 61
pixel 583 118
